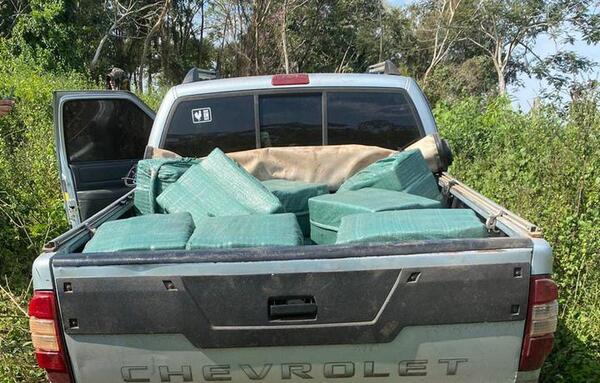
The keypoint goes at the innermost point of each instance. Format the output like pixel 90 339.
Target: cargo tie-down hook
pixel 490 222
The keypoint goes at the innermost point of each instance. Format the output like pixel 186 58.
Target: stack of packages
pixel 394 199
pixel 153 177
pixel 213 203
pixel 216 203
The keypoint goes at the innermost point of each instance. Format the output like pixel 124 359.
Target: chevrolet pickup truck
pixel 456 310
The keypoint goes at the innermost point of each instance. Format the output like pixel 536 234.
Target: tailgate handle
pixel 292 308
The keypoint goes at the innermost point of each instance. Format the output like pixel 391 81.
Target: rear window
pixel 290 120
pixel 199 126
pixel 105 130
pixel 371 118
pixel 385 119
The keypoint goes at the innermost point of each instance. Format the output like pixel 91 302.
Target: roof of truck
pixel 317 80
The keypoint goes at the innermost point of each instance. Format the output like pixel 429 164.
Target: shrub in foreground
pixel 544 166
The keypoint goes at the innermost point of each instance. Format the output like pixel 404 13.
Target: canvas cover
pixel 218 187
pixel 410 225
pixel 145 232
pixel 294 196
pixel 246 231
pixel 329 164
pixel 155 175
pixel 430 149
pixel 405 171
pixel 326 211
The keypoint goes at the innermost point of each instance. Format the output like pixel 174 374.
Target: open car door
pixel 100 136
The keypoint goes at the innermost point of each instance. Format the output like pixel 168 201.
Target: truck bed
pixel 432 310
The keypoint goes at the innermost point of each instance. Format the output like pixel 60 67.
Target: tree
pixel 506 30
pixel 442 29
pixel 120 13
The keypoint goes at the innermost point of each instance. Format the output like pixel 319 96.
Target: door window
pixel 104 130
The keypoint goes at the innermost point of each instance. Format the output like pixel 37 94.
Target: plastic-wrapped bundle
pixel 155 175
pixel 326 211
pixel 246 231
pixel 410 225
pixel 196 192
pixel 294 196
pixel 216 187
pixel 405 171
pixel 234 179
pixel 145 232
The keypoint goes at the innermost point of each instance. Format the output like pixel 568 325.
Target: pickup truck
pixel 457 310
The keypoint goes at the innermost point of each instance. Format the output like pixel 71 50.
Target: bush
pixel 31 210
pixel 543 166
pixel 31 204
pixel 31 207
pixel 17 361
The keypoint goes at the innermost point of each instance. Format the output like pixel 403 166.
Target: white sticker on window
pixel 201 115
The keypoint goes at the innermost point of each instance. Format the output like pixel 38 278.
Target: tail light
pixel 542 318
pixel 290 79
pixel 43 324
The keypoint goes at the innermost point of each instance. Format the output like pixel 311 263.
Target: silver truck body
pixel 456 323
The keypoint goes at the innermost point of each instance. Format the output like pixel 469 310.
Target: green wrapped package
pixel 145 232
pixel 405 171
pixel 246 231
pixel 197 193
pixel 155 175
pixel 234 179
pixel 326 211
pixel 218 187
pixel 410 225
pixel 294 196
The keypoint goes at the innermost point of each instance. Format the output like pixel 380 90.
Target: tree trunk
pixel 141 79
pixel 150 70
pixel 256 37
pixel 501 82
pixel 201 35
pixel 222 48
pixel 100 46
pixel 286 60
pixel 380 35
pixel 151 33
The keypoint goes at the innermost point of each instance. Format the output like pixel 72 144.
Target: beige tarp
pixel 330 165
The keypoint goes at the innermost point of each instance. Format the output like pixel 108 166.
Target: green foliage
pixel 543 167
pixel 30 201
pixel 17 360
pixel 454 81
pixel 46 35
pixel 153 98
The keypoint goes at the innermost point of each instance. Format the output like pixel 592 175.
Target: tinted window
pixel 368 118
pixel 199 126
pixel 101 130
pixel 287 120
